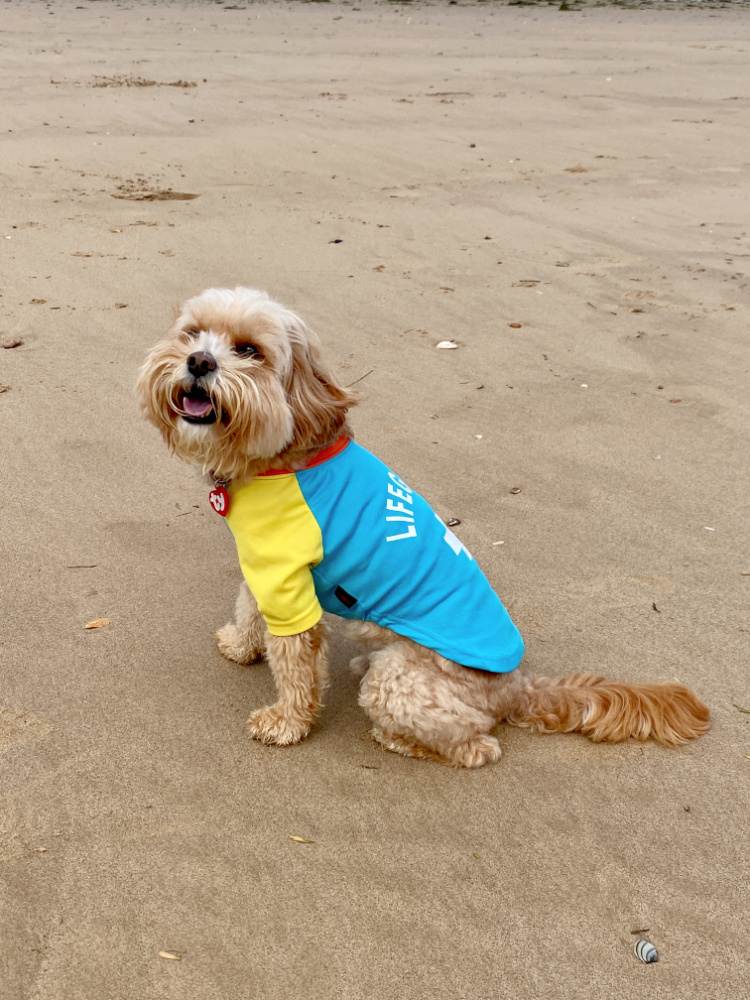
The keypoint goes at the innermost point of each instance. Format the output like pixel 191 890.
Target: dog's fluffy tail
pixel 609 711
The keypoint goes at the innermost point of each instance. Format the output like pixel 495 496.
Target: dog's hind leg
pixel 425 706
pixel 476 751
pixel 244 639
pixel 300 669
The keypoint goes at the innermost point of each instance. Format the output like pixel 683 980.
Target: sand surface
pixel 566 196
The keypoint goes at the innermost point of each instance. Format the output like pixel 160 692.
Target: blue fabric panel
pixel 387 549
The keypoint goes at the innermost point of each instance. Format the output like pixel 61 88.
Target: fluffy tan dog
pixel 238 389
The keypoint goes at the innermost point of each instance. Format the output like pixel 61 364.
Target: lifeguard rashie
pixel 348 536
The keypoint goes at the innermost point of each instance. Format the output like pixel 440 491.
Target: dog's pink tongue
pixel 197 407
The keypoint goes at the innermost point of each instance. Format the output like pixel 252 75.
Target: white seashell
pixel 645 951
pixel 447 345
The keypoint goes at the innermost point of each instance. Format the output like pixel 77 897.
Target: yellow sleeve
pixel 278 542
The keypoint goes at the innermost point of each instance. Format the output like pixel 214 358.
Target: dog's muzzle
pixel 195 403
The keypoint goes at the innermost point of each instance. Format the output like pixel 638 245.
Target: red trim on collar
pixel 330 451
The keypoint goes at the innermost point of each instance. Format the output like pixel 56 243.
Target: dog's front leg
pixel 300 669
pixel 244 639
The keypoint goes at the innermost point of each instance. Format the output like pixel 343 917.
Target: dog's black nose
pixel 201 363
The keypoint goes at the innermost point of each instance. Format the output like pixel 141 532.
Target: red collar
pixel 330 451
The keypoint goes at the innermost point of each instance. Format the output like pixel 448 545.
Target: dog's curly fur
pixel 273 403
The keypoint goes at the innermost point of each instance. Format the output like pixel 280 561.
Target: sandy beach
pixel 563 194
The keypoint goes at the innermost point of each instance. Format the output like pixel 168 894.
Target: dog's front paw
pixel 277 726
pixel 235 646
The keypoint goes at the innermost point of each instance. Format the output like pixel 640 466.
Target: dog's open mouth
pixel 196 406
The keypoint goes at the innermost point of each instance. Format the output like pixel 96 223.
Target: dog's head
pixel 238 382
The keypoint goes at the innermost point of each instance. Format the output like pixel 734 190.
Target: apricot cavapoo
pixel 239 390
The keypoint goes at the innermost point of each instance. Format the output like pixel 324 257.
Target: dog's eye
pixel 191 331
pixel 247 350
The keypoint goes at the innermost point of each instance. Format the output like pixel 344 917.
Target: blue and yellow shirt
pixel 348 536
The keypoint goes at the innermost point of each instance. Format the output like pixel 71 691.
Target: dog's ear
pixel 318 402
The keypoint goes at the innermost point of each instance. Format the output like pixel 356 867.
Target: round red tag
pixel 219 500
